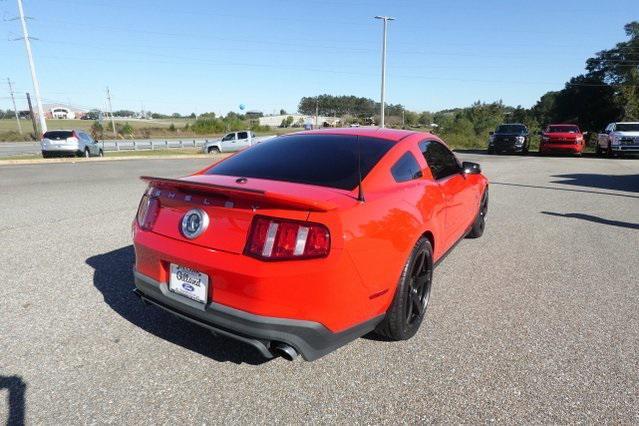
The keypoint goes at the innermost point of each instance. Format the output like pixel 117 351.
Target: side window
pixel 83 136
pixel 242 135
pixel 229 137
pixel 441 161
pixel 406 168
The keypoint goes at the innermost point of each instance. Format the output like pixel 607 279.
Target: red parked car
pixel 305 242
pixel 562 138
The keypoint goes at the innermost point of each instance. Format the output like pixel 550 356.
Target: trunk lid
pixel 232 202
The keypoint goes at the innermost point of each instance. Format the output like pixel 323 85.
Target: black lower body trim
pixel 311 339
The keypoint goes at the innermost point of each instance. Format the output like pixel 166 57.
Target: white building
pixel 62 112
pixel 299 120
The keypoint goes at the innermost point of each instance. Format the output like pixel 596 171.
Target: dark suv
pixel 509 138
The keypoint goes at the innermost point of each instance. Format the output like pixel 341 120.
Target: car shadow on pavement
pixel 16 398
pixel 628 183
pixel 113 277
pixel 595 219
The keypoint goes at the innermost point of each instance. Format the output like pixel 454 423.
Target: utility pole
pixel 15 109
pixel 36 85
pixel 110 110
pixel 316 111
pixel 33 119
pixel 385 19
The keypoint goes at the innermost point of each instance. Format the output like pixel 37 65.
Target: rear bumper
pixel 311 339
pixel 61 149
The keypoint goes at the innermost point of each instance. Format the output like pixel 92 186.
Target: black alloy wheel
pixel 407 310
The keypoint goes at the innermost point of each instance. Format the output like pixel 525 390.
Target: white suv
pixel 56 143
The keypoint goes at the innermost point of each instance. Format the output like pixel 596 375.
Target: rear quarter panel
pixel 380 233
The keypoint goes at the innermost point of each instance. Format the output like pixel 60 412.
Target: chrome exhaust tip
pixel 285 351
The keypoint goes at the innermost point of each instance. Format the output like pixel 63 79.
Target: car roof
pixel 563 124
pixel 394 135
pixel 627 122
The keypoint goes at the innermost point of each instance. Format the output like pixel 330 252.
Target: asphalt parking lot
pixel 537 321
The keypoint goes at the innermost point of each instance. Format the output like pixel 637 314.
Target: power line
pixel 108 92
pixel 15 109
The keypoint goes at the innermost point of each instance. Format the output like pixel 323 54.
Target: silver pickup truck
pixel 619 138
pixel 231 142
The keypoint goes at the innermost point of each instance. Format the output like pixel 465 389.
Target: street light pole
pixel 382 102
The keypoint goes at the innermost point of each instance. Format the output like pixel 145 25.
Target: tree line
pixel 608 91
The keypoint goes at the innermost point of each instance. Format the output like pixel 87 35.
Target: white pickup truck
pixel 619 138
pixel 232 142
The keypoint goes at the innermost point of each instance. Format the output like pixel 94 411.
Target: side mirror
pixel 471 168
pixel 491 133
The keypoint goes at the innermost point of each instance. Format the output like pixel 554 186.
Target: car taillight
pixel 148 212
pixel 281 239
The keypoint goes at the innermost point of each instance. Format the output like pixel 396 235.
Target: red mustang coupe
pixel 562 138
pixel 305 242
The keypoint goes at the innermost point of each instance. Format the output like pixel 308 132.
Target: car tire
pixel 477 230
pixel 609 152
pixel 101 153
pixel 407 310
pixel 46 155
pixel 491 151
pixel 213 150
pixel 598 150
pixel 87 154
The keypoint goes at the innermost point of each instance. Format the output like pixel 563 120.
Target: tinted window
pixel 563 129
pixel 406 168
pixel 58 135
pixel 242 135
pixel 441 161
pixel 511 128
pixel 324 160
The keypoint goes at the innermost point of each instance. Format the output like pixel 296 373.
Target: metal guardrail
pixel 8 149
pixel 150 144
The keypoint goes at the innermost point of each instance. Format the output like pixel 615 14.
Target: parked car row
pixel 616 138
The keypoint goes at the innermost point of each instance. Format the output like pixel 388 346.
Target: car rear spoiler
pixel 283 200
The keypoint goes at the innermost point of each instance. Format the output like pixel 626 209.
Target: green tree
pixel 97 130
pixel 619 67
pixel 287 122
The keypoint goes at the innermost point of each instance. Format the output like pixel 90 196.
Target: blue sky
pixel 197 56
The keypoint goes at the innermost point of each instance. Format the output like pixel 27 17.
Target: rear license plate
pixel 189 283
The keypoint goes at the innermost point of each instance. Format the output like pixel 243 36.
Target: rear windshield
pixel 511 128
pixel 323 160
pixel 627 127
pixel 563 129
pixel 58 135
